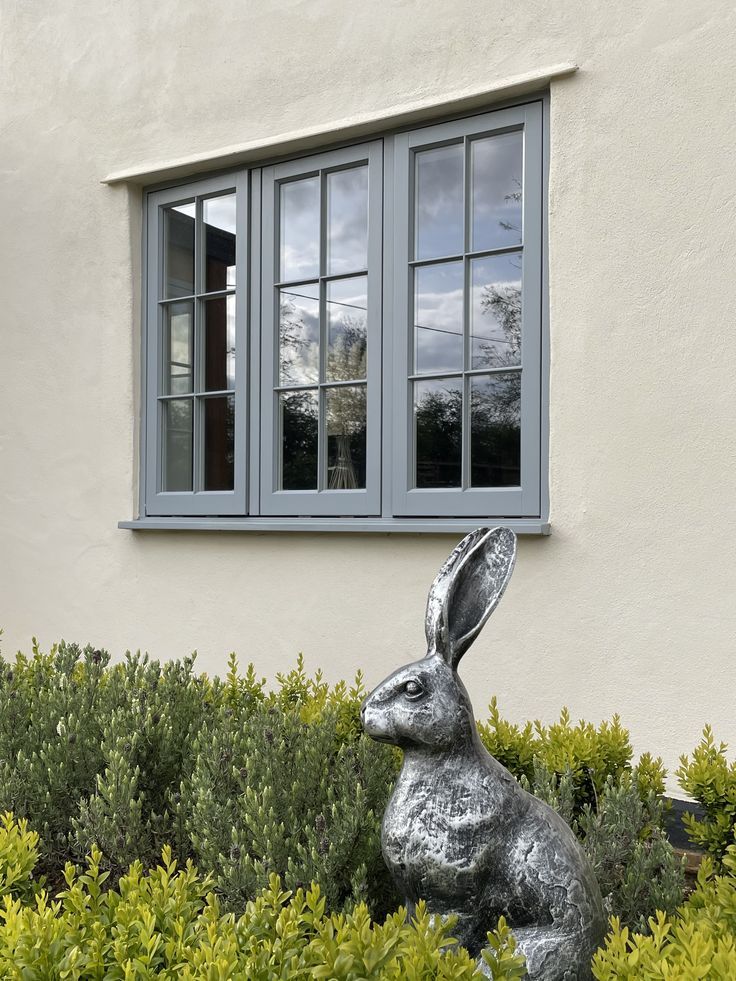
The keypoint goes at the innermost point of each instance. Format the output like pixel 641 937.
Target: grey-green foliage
pixel 635 864
pixel 287 783
pixel 94 752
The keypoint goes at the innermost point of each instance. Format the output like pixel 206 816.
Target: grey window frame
pixel 196 502
pixel 471 502
pixel 323 502
pixel 388 503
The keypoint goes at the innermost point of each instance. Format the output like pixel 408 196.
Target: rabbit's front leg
pixel 555 955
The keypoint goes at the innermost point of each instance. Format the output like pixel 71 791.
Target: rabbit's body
pixel 459 831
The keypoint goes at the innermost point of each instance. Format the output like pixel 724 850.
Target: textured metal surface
pixel 459 831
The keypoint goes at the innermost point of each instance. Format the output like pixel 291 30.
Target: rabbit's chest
pixel 439 846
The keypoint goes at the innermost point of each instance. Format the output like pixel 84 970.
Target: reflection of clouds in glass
pixel 496 186
pixel 189 209
pixel 218 215
pixel 220 212
pixel 347 328
pixel 439 201
pixel 299 335
pixel 347 220
pixel 495 311
pixel 438 317
pixel 300 226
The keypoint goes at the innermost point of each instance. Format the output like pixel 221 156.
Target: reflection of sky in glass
pixel 299 335
pixel 300 226
pixel 218 215
pixel 179 250
pixel 347 328
pixel 439 202
pixel 438 317
pixel 495 310
pixel 178 436
pixel 347 220
pixel 180 318
pixel 496 163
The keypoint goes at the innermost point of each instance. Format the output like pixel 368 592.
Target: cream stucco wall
pixel 629 605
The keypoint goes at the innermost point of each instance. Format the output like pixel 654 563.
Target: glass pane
pixel 219 443
pixel 179 339
pixel 299 335
pixel 438 426
pixel 438 317
pixel 218 215
pixel 439 202
pixel 178 441
pixel 299 427
pixel 347 220
pixel 495 311
pixel 346 434
pixel 300 229
pixel 347 328
pixel 496 163
pixel 219 344
pixel 495 430
pixel 179 250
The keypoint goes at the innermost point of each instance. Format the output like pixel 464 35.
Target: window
pixel 353 334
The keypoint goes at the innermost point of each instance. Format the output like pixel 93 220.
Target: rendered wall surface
pixel 629 605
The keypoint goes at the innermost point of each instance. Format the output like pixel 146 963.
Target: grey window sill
pixel 522 526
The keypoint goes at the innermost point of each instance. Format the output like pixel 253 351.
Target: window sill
pixel 522 526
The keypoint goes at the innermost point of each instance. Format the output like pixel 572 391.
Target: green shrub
pixel 585 755
pixel 699 941
pixel 288 783
pixel 249 782
pixel 710 779
pixel 633 860
pixel 18 857
pixel 168 924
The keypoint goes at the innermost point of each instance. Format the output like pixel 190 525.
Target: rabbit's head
pixel 425 703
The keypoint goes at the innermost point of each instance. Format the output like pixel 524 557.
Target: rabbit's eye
pixel 413 689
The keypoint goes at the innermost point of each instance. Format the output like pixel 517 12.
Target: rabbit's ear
pixel 467 589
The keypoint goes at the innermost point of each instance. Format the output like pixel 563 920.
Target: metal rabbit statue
pixel 459 831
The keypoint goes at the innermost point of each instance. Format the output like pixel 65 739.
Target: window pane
pixel 496 163
pixel 299 335
pixel 347 330
pixel 300 227
pixel 179 342
pixel 179 250
pixel 438 415
pixel 495 430
pixel 438 317
pixel 219 240
pixel 299 428
pixel 346 437
pixel 347 220
pixel 439 202
pixel 219 344
pixel 495 315
pixel 219 443
pixel 178 441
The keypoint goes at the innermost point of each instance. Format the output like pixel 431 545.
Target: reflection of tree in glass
pixel 439 423
pixel 346 361
pixel 299 441
pixel 515 196
pixel 295 341
pixel 503 304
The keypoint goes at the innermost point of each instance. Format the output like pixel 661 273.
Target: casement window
pixel 352 338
